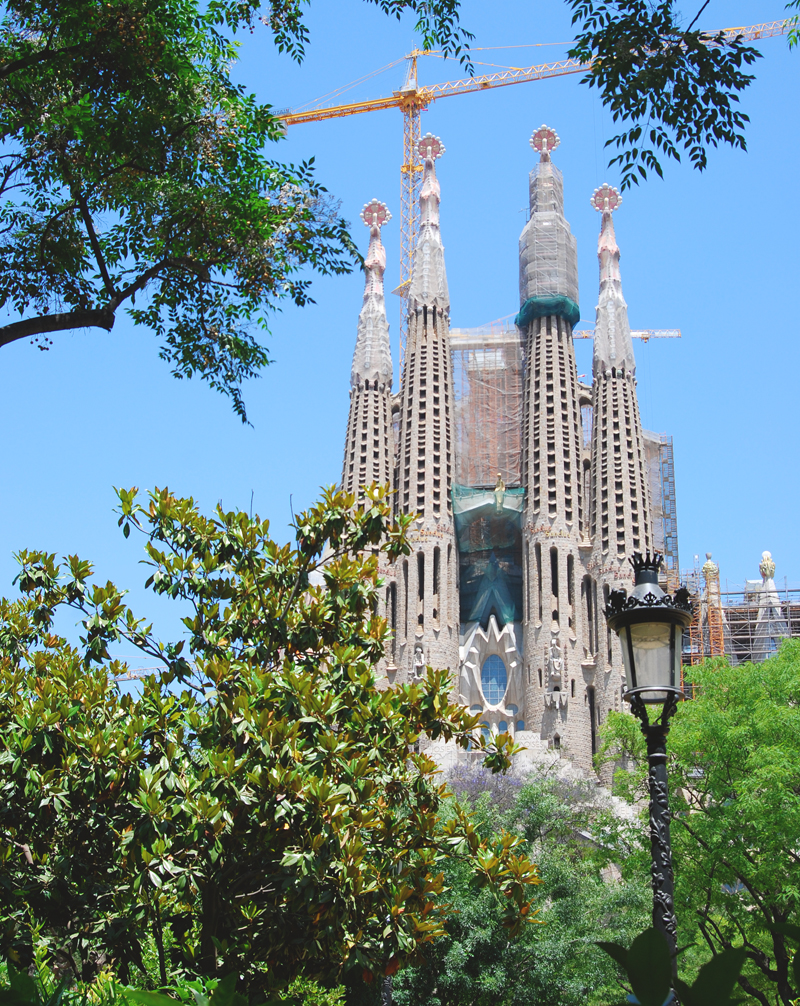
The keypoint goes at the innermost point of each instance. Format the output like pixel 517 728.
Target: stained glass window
pixel 494 679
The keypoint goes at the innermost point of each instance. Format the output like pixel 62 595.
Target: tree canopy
pixel 257 805
pixel 734 762
pixel 574 836
pixel 672 84
pixel 135 175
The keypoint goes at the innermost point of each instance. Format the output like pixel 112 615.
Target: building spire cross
pixel 375 214
pixel 545 140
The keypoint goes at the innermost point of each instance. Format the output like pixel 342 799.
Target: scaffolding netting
pixel 548 256
pixel 489 534
pixel 542 307
pixel 661 479
pixel 488 384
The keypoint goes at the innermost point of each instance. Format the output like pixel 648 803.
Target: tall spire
pixel 427 588
pixel 548 254
pixel 372 359
pixel 620 512
pixel 428 287
pixel 369 445
pixel 613 347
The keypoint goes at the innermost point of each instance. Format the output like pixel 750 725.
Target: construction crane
pixel 645 334
pixel 413 99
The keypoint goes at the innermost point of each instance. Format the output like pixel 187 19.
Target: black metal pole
pixel 660 846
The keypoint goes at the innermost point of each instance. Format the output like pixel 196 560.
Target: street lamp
pixel 650 626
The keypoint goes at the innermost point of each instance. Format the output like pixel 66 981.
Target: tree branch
pixel 697 15
pixel 62 322
pixel 751 990
pixel 6 69
pixel 98 251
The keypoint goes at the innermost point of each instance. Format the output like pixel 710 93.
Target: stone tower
pixel 427 599
pixel 556 634
pixel 620 508
pixel 369 445
pixel 506 582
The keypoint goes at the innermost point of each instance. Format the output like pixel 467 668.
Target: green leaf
pixel 685 994
pixel 717 978
pixel 649 968
pixel 148 998
pixel 225 993
pixel 620 954
pixel 787 929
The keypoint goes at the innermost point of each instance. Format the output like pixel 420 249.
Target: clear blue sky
pixel 715 255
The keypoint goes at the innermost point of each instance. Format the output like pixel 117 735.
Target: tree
pixel 735 794
pixel 673 85
pixel 259 805
pixel 574 838
pixel 133 174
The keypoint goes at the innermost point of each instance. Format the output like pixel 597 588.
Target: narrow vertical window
pixel 587 589
pixel 554 571
pixel 592 723
pixel 391 604
pixel 538 556
pixel 527 581
pixel 436 583
pixel 608 631
pixel 420 588
pixel 405 594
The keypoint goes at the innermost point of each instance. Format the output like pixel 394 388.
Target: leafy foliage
pixel 676 87
pixel 735 795
pixel 438 22
pixel 133 173
pixel 794 20
pixel 648 967
pixel 257 806
pixel 564 826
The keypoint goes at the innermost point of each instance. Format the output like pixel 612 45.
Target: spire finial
pixel 375 214
pixel 430 147
pixel 606 199
pixel 372 360
pixel 545 140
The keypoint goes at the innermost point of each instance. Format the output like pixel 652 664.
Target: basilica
pixel 530 488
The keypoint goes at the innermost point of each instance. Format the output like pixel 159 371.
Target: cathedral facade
pixel 530 488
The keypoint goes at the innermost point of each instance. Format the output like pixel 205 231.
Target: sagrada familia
pixel 513 558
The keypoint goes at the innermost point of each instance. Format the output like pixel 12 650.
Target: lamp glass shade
pixel 651 653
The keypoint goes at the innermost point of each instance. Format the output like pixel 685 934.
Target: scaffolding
pixel 741 609
pixel 727 623
pixel 661 479
pixel 488 386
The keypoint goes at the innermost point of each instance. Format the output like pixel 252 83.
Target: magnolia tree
pixel 257 804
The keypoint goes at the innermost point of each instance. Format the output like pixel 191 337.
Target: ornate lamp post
pixel 650 626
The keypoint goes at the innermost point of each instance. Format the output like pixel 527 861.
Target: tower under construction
pixel 530 488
